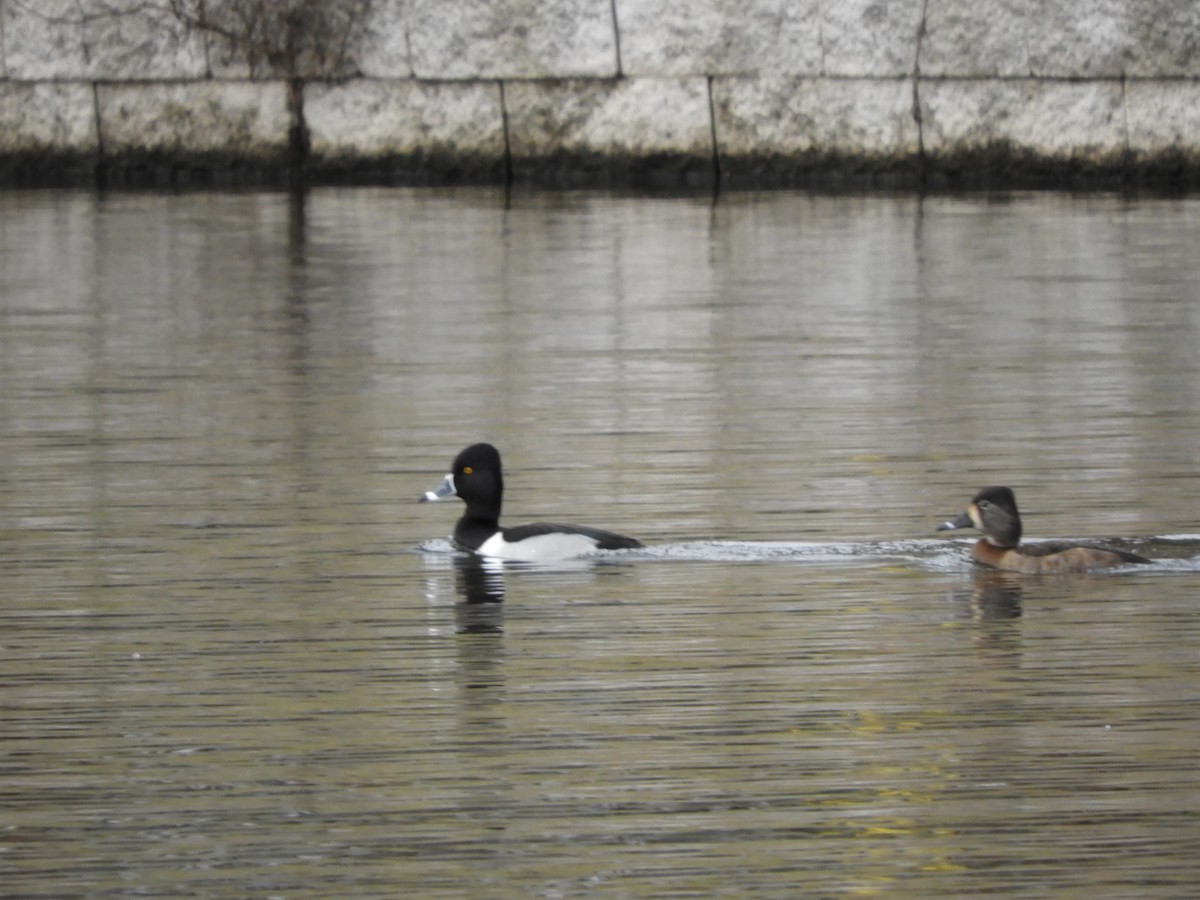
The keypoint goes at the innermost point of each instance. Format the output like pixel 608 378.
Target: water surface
pixel 240 659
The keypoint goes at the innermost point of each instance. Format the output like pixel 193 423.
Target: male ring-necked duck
pixel 475 477
pixel 994 512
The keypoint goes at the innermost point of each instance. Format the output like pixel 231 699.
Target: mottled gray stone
pixel 781 116
pixel 1086 38
pixel 1112 38
pixel 1081 39
pixel 47 116
pixel 1058 119
pixel 97 39
pixel 385 52
pixel 719 37
pixel 240 118
pixel 1164 39
pixel 627 117
pixel 1163 116
pixel 976 39
pixel 35 46
pixel 380 118
pixel 870 38
pixel 512 38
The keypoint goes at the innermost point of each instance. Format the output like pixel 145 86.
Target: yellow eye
pixel 467 470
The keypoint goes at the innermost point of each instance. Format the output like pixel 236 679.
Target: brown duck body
pixel 994 512
pixel 1051 557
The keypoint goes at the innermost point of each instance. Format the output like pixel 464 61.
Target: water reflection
pixel 479 579
pixel 479 582
pixel 993 596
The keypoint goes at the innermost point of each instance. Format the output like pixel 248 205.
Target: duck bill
pixel 960 521
pixel 441 492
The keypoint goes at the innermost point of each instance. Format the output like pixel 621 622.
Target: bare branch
pixel 288 38
pixel 96 11
pixel 292 38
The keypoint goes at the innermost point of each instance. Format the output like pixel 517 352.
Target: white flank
pixel 542 548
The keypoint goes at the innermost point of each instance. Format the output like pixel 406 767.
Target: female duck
pixel 994 512
pixel 476 478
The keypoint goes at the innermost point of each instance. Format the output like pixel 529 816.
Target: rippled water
pixel 239 659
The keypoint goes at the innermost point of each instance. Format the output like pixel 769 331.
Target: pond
pixel 241 659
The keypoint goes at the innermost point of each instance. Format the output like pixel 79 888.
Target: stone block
pixel 241 119
pixel 1055 119
pixel 976 38
pixel 870 38
pixel 376 118
pixel 385 52
pixel 635 117
pixel 55 117
pixel 98 40
pixel 1163 116
pixel 680 38
pixel 512 38
pixel 1164 39
pixel 1049 38
pixel 1113 38
pixel 1086 38
pixel 789 116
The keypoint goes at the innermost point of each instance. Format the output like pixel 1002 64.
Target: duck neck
pixel 474 528
pixel 1007 535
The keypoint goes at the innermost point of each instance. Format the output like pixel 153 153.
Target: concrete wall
pixel 749 86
